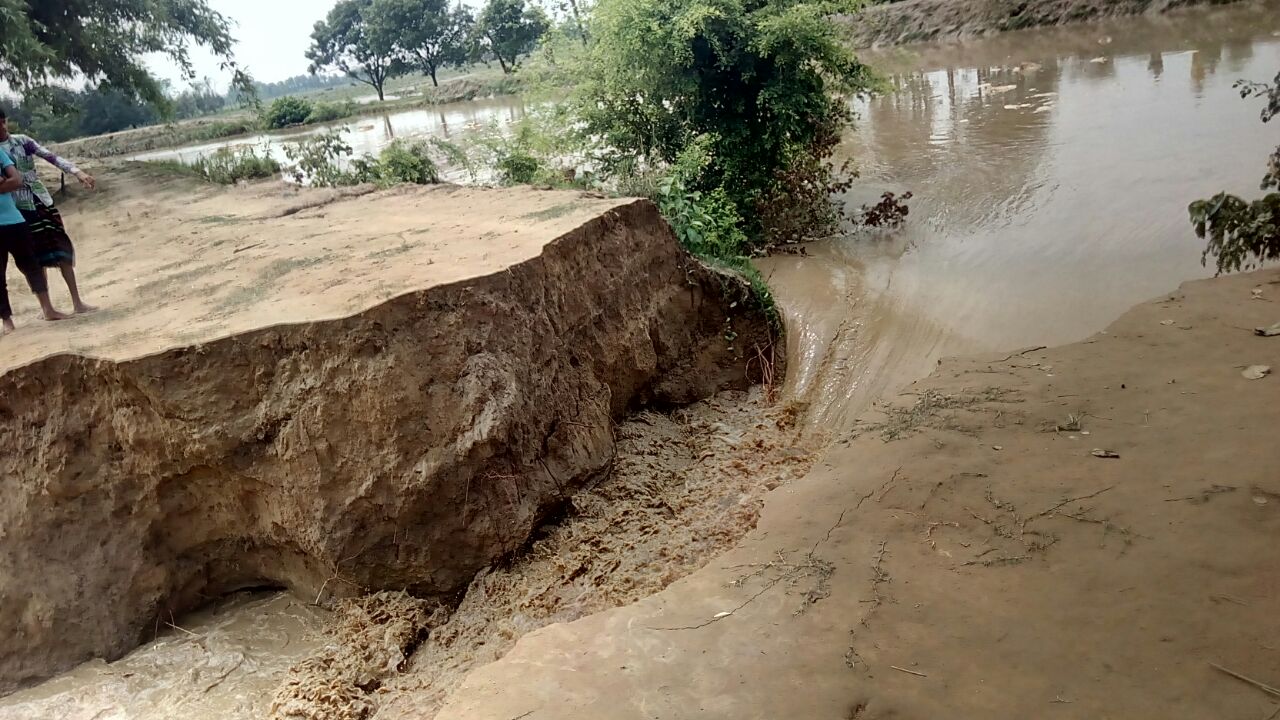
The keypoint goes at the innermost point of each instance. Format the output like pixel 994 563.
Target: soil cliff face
pixel 406 446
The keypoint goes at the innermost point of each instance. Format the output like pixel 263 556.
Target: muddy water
pixel 1051 170
pixel 219 663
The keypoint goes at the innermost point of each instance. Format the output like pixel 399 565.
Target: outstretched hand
pixel 86 180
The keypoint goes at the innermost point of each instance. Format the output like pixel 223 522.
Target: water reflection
pixel 1051 172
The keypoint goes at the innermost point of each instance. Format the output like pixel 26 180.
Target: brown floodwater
pixel 1051 171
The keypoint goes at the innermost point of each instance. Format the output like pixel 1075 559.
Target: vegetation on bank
pixel 1242 234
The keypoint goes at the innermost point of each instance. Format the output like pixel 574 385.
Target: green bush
pixel 227 166
pixel 325 160
pixel 518 167
pixel 328 112
pixel 407 162
pixel 760 84
pixel 287 111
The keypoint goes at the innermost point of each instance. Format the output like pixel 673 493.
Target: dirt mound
pixel 926 20
pixel 966 553
pixel 404 446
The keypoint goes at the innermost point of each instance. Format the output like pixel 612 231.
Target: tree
pixel 426 31
pixel 509 29
pixel 744 97
pixel 104 41
pixel 343 41
pixel 1244 234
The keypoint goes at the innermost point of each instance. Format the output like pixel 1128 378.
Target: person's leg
pixel 20 246
pixel 6 311
pixel 69 275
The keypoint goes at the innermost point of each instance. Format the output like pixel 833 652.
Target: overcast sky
pixel 272 35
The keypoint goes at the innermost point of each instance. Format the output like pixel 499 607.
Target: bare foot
pixel 83 308
pixel 8 326
pixel 52 315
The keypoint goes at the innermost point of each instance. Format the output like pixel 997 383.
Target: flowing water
pixel 1051 171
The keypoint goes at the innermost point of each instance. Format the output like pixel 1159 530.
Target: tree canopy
pixel 427 33
pixel 509 29
pixel 104 42
pixel 1241 233
pixel 754 89
pixel 344 41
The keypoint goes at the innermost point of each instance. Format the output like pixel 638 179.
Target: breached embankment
pixel 403 444
pixel 965 553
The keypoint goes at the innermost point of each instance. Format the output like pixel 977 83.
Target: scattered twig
pixel 224 675
pixel 246 247
pixel 1228 598
pixel 866 497
pixel 1023 352
pixel 1074 499
pixel 909 672
pixel 1058 699
pixel 1244 678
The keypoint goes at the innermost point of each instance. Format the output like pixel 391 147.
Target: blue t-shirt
pixel 9 214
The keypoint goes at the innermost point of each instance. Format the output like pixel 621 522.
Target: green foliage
pixel 325 160
pixel 228 166
pixel 510 29
pixel 345 42
pixel 105 42
pixel 407 162
pixel 323 112
pixel 1243 234
pixel 426 32
pixel 318 160
pixel 519 168
pixel 286 111
pixel 758 82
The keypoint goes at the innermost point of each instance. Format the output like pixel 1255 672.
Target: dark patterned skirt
pixel 50 243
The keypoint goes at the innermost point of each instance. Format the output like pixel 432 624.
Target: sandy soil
pixel 965 554
pixel 172 262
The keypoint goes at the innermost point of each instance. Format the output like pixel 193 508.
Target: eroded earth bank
pixel 401 441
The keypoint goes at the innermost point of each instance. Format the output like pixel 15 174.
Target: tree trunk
pixel 505 70
pixel 381 97
pixel 432 70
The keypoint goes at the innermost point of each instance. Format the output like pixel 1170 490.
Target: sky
pixel 272 39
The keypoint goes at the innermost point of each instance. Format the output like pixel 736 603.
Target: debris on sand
pixel 369 641
pixel 1269 331
pixel 1108 454
pixel 1256 372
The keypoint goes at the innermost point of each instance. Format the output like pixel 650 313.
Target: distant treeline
pixel 58 114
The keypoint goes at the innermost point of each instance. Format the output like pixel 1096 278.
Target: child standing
pixel 15 240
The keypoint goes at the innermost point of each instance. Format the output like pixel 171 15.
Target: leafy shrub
pixel 519 168
pixel 227 166
pixel 407 162
pixel 318 160
pixel 328 112
pixel 1242 234
pixel 287 111
pixel 759 83
pixel 891 211
pixel 325 160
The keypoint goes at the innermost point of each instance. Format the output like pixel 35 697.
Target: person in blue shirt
pixel 15 240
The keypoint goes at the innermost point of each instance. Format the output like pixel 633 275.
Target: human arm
pixel 66 166
pixel 12 179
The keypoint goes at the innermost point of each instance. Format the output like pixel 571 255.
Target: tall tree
pixel 427 32
pixel 509 29
pixel 343 41
pixel 104 41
